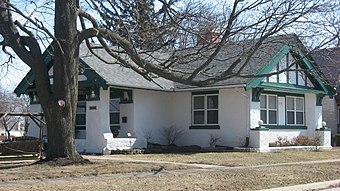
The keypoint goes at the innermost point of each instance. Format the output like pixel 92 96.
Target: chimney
pixel 208 35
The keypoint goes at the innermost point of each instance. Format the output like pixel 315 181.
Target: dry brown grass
pixel 231 179
pixel 29 170
pixel 234 179
pixel 240 158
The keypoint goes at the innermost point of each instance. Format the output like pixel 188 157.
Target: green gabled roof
pixel 318 81
pixel 28 80
pixel 93 79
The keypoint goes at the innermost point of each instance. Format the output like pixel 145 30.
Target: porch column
pixel 259 139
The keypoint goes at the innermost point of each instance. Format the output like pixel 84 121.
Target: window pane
pixel 199 102
pixel 290 117
pixel 81 107
pixel 264 116
pixel 272 102
pixel 299 104
pixel 272 117
pixel 212 117
pixel 299 118
pixel 114 118
pixel 114 105
pixel 290 103
pixel 81 119
pixel 80 134
pixel 263 101
pixel 212 102
pixel 199 117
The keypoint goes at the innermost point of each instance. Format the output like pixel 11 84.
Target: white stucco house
pixel 118 108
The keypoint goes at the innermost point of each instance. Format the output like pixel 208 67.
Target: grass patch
pixel 239 158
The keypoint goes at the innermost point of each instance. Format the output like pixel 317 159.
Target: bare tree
pixel 163 44
pixel 10 103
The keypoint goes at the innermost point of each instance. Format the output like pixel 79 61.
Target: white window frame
pixel 267 109
pixel 205 109
pixel 295 110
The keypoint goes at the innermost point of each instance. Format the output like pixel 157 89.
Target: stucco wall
pixel 233 119
pixel 97 123
pixel 313 114
pixel 329 113
pixel 152 112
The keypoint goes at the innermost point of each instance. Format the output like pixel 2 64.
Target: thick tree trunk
pixel 60 111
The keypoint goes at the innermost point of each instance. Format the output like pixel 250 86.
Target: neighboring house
pixel 116 102
pixel 329 62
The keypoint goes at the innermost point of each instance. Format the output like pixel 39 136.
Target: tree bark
pixel 60 111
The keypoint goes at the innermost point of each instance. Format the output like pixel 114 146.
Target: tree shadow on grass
pixel 13 165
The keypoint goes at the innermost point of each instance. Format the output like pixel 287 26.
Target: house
pixel 118 108
pixel 329 63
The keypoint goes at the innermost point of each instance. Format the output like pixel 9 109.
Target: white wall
pixel 313 113
pixel 233 119
pixel 97 123
pixel 152 112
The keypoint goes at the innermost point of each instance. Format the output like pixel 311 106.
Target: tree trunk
pixel 60 111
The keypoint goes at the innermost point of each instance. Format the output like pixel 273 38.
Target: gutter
pixel 210 88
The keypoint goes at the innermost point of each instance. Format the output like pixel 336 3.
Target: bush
pixel 296 141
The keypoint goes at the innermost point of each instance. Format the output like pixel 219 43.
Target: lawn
pixel 239 158
pixel 102 174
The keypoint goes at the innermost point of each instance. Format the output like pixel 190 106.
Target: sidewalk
pixel 332 185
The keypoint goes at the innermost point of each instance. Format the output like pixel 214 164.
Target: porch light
pixel 129 134
pixel 34 97
pixel 323 124
pixel 126 96
pixel 93 94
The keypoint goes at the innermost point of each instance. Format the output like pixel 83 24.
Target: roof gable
pixel 303 76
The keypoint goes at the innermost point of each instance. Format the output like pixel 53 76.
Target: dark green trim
pixel 320 84
pixel 289 87
pixel 283 94
pixel 324 129
pixel 254 82
pixel 204 127
pixel 260 129
pixel 285 126
pixel 116 93
pixel 319 98
pixel 204 92
pixel 256 93
pixel 29 78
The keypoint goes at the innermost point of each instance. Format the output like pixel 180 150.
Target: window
pixel 295 110
pixel 114 114
pixel 205 109
pixel 80 130
pixel 268 109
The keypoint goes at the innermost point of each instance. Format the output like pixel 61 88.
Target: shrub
pixel 171 134
pixel 303 141
pixel 296 141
